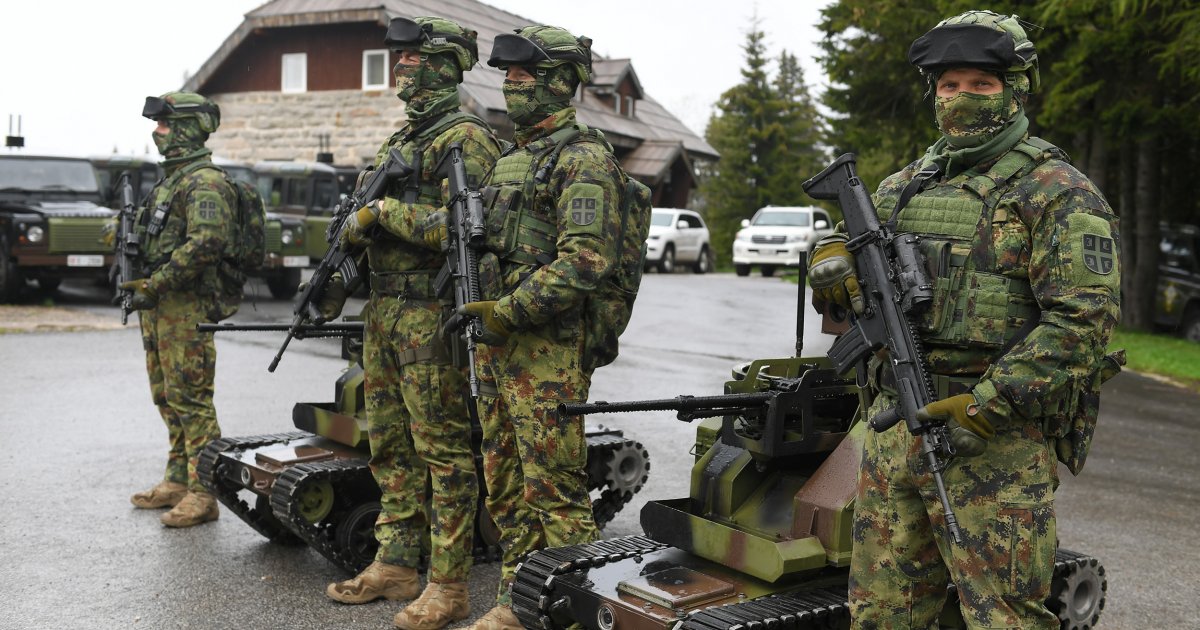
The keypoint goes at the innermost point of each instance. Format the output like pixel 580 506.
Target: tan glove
pixel 495 332
pixel 144 295
pixel 969 429
pixel 331 303
pixel 831 274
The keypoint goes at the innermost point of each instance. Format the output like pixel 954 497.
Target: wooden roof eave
pixel 197 82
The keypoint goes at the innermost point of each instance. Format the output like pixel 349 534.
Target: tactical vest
pixel 417 284
pixel 521 231
pixel 982 296
pixel 414 145
pixel 522 235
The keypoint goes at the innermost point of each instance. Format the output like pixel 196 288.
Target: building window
pixel 629 106
pixel 617 100
pixel 295 72
pixel 374 74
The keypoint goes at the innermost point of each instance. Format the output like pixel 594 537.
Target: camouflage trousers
pixel 182 364
pixel 903 556
pixel 420 434
pixel 534 462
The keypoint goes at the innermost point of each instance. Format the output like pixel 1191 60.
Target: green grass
pixel 1165 355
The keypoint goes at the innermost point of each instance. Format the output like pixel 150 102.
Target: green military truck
pixel 286 235
pixel 1177 300
pixel 51 219
pixel 310 190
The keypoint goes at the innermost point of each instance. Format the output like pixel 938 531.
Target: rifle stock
pixel 341 257
pixel 895 286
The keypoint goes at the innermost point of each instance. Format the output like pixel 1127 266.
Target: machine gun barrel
pixel 305 331
pixel 341 257
pixel 688 407
pixel 891 273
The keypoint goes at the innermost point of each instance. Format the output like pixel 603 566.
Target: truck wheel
pixel 283 286
pixel 11 281
pixel 1190 327
pixel 49 285
pixel 703 264
pixel 742 270
pixel 667 263
pixel 768 271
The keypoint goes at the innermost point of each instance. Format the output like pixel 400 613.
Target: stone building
pixel 299 77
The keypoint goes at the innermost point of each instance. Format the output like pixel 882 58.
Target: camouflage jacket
pixel 580 202
pixel 1037 236
pixel 199 206
pixel 401 246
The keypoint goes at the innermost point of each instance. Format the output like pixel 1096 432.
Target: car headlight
pixel 655 237
pixel 795 238
pixel 286 236
pixel 35 234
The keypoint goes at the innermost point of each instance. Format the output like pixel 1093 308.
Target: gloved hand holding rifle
pixel 341 258
pixel 887 286
pixel 465 236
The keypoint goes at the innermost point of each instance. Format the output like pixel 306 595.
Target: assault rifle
pixel 341 256
pixel 129 248
pixel 895 286
pixel 466 234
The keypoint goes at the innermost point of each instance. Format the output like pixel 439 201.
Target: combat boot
pixel 498 618
pixel 195 508
pixel 165 494
pixel 378 580
pixel 438 606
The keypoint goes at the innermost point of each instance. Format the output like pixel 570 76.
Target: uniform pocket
pixel 1028 535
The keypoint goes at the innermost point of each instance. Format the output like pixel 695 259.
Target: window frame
pixel 283 74
pixel 367 54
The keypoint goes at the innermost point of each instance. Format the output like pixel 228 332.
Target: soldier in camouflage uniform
pixel 1023 251
pixel 553 222
pixel 185 231
pixel 417 418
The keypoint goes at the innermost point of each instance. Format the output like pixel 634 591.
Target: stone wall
pixel 274 126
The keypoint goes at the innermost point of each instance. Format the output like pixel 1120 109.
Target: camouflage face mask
pixel 406 80
pixel 437 71
pixel 520 98
pixel 969 120
pixel 185 137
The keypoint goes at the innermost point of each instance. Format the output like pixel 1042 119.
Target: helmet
pixel 980 39
pixel 433 35
pixel 174 105
pixel 543 47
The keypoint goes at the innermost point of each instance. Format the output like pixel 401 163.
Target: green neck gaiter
pixel 954 161
pixel 523 134
pixel 183 143
pixel 426 104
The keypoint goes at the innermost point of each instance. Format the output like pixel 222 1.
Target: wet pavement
pixel 78 435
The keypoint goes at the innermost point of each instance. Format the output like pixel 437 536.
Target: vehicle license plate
pixel 81 260
pixel 295 261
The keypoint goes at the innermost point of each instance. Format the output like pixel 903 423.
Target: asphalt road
pixel 78 435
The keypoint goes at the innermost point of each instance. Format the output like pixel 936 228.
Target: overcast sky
pixel 78 71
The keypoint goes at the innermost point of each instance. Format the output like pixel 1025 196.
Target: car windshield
pixel 791 219
pixel 48 175
pixel 662 219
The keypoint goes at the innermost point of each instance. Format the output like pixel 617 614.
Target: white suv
pixel 776 236
pixel 677 236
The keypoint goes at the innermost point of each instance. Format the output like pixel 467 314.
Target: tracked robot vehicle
pixel 313 485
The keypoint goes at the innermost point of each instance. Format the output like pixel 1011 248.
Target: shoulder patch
pixel 584 208
pixel 1092 250
pixel 207 206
